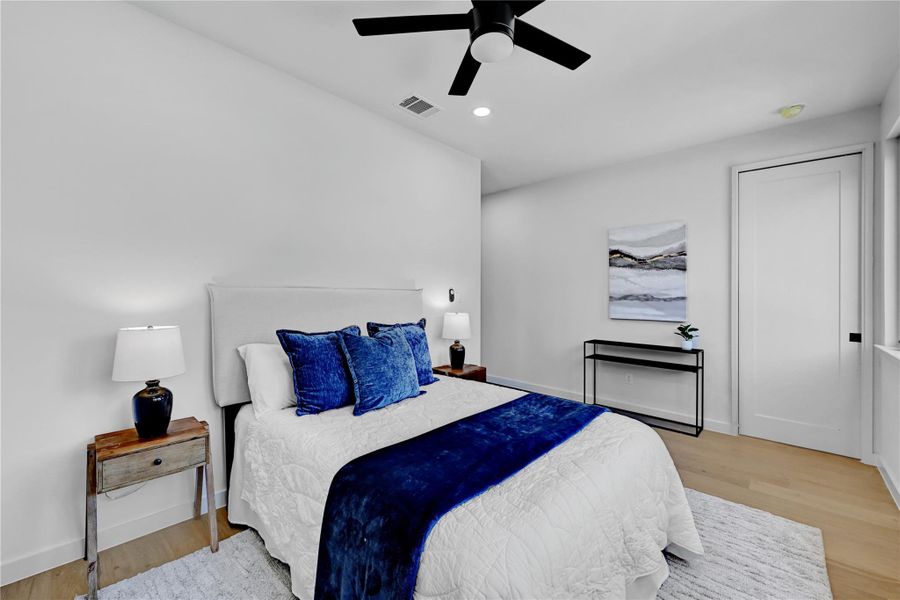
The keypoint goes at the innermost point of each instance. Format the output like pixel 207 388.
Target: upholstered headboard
pixel 241 315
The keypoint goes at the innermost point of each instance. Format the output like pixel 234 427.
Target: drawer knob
pixel 157 462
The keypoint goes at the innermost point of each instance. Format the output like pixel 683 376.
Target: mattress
pixel 588 519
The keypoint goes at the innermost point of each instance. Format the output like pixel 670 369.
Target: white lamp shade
pixel 456 326
pixel 146 353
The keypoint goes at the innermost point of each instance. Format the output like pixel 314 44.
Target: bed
pixel 589 518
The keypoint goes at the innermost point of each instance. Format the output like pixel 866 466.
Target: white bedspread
pixel 588 519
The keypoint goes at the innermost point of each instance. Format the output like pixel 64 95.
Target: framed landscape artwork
pixel 647 272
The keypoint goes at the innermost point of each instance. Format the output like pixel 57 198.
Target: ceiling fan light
pixel 492 46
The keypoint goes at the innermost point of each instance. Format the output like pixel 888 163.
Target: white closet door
pixel 798 302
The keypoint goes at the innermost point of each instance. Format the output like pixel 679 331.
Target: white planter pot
pixel 687 344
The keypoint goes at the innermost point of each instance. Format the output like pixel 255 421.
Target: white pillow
pixel 269 377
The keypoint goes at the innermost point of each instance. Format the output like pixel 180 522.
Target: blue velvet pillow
pixel 382 369
pixel 321 377
pixel 418 343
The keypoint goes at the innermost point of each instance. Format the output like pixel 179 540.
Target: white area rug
pixel 750 554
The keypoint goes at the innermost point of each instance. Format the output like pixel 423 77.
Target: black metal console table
pixel 592 354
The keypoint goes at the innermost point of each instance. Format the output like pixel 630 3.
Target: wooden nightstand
pixel 121 458
pixel 473 372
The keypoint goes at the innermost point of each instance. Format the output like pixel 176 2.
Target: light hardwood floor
pixel 845 499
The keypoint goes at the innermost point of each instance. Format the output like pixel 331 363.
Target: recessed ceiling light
pixel 481 111
pixel 789 112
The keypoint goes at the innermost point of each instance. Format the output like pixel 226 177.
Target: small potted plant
pixel 686 332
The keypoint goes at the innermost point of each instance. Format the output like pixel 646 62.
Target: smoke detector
pixel 789 112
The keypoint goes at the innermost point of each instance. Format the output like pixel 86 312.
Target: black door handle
pixel 856 337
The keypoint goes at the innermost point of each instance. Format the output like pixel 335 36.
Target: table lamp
pixel 456 327
pixel 149 354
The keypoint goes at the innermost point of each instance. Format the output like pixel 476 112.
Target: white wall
pixel 141 162
pixel 886 408
pixel 890 109
pixel 544 264
pixel 887 222
pixel 887 417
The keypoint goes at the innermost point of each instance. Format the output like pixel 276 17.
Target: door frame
pixel 867 200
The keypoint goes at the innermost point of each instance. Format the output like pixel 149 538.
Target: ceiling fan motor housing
pixel 492 16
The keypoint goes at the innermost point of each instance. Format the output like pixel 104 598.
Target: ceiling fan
pixel 494 28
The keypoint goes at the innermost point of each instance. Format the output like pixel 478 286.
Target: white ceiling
pixel 663 75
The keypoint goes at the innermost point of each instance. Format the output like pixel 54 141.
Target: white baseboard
pixel 892 486
pixel 711 424
pixel 26 566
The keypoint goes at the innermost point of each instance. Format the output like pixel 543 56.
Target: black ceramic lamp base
pixel 457 355
pixel 152 410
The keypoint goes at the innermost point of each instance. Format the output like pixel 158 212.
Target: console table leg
pixel 703 391
pixel 697 403
pixel 584 373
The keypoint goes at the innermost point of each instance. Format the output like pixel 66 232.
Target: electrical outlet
pixel 629 378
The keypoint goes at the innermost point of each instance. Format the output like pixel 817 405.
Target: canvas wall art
pixel 647 272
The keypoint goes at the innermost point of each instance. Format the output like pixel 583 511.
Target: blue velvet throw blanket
pixel 381 506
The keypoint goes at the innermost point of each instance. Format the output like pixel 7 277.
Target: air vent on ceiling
pixel 419 107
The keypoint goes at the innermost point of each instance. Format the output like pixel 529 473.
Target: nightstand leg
pixel 198 492
pixel 211 503
pixel 90 517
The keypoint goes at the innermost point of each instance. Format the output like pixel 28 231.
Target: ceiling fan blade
pixel 520 7
pixel 412 23
pixel 517 7
pixel 465 75
pixel 543 44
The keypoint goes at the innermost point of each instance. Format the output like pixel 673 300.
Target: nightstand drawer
pixel 150 464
